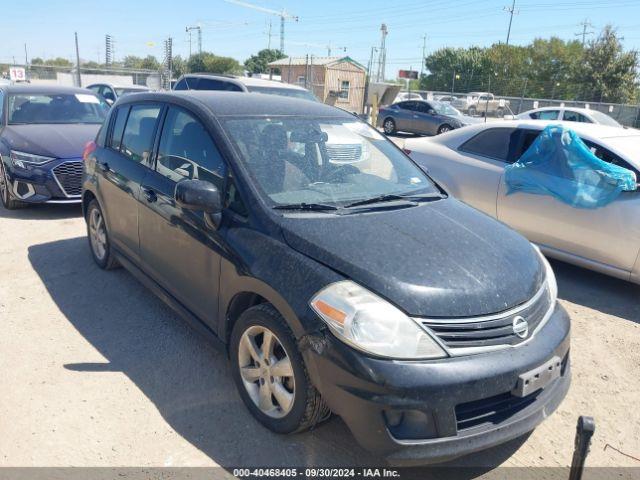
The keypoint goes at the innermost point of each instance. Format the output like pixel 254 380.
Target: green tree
pixel 210 63
pixel 258 63
pixel 179 66
pixel 150 63
pixel 608 73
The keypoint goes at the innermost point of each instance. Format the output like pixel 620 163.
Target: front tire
pixel 270 373
pixel 389 126
pixel 444 128
pixel 472 111
pixel 99 243
pixel 5 195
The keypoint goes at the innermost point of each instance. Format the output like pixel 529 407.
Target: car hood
pixel 50 140
pixel 438 259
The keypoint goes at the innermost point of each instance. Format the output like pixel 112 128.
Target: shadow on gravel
pixel 42 212
pixel 188 381
pixel 599 292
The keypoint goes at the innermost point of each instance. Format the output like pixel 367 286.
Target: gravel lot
pixel 96 371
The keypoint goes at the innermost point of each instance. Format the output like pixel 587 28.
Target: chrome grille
pixel 344 153
pixel 493 330
pixel 69 178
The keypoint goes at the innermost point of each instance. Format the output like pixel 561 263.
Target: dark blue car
pixel 43 131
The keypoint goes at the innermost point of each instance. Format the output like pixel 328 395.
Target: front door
pixel 181 248
pixel 121 166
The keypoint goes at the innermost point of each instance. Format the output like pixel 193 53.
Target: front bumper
pixel 40 184
pixel 369 393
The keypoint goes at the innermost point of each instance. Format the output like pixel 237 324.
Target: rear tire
pixel 472 111
pixel 444 128
pixel 270 373
pixel 98 236
pixel 5 195
pixel 389 126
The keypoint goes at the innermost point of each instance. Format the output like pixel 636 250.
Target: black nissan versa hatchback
pixel 354 287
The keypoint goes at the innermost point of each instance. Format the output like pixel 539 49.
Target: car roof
pixel 45 89
pixel 558 107
pixel 247 81
pixel 117 85
pixel 224 103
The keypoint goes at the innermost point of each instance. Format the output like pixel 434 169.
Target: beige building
pixel 338 81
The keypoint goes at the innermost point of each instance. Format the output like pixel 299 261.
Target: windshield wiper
pixel 393 196
pixel 306 206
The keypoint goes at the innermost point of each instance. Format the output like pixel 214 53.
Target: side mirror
pixel 109 101
pixel 198 195
pixel 431 111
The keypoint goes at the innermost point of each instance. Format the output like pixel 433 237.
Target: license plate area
pixel 538 378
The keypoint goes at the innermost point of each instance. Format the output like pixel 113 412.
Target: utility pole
pixel 424 49
pixel 78 60
pixel 512 11
pixel 26 57
pixel 197 27
pixel 269 41
pixel 370 64
pixel 584 24
pixel 382 58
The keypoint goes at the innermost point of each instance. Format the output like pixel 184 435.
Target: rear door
pixel 121 166
pixel 605 235
pixel 478 167
pixel 403 115
pixel 179 247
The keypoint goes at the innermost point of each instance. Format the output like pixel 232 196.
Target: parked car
pixel 402 96
pixel 421 117
pixel 482 103
pixel 570 114
pixel 232 83
pixel 358 288
pixel 445 98
pixel 112 92
pixel 43 131
pixel 470 164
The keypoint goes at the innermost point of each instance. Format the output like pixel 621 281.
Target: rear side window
pixel 118 127
pixel 545 115
pixel 211 84
pixel 182 85
pixel 493 143
pixel 138 133
pixel 609 157
pixel 187 151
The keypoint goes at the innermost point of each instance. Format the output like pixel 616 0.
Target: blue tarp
pixel 558 163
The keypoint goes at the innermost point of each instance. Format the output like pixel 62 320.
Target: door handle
pixel 149 194
pixel 104 166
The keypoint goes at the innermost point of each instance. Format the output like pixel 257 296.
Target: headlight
pixel 551 279
pixel 371 324
pixel 21 158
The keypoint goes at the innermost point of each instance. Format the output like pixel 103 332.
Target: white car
pixel 569 114
pixel 469 163
pixel 402 96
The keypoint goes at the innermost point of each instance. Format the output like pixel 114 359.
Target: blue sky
pixel 140 26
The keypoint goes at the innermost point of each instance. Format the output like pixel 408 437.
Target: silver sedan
pixel 470 162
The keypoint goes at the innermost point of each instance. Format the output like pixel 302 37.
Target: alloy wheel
pixel 97 234
pixel 444 128
pixel 389 126
pixel 266 371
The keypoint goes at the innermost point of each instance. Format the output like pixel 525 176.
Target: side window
pixel 187 150
pixel 95 89
pixel 138 133
pixel 211 84
pixel 118 127
pixel 609 157
pixel 409 106
pixel 546 115
pixel 569 116
pixel 107 94
pixel 181 85
pixel 493 143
